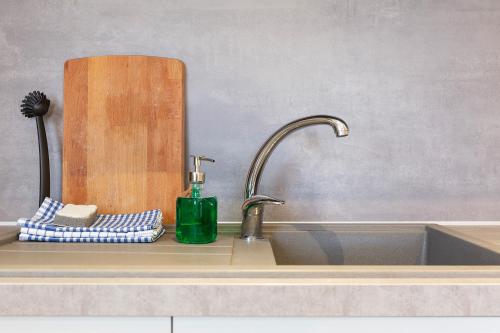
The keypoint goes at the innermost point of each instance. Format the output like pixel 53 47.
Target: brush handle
pixel 43 153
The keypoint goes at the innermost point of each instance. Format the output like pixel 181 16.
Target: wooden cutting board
pixel 124 133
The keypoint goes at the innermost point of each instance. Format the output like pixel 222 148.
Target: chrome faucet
pixel 253 205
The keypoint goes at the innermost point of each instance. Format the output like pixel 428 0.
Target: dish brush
pixel 36 104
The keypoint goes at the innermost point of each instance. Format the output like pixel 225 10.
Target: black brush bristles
pixel 35 104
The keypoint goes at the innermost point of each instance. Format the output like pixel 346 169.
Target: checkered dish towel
pixel 142 227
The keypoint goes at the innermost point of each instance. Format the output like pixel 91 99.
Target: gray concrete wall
pixel 418 81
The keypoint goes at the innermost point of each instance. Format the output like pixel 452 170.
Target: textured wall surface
pixel 418 81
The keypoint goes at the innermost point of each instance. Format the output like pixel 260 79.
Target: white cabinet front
pixel 337 325
pixel 85 324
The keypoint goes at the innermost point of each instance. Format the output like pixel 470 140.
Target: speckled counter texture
pixel 240 297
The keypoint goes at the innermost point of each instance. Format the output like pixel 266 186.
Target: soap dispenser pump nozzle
pixel 197 176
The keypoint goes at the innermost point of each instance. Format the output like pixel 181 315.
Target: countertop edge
pixel 259 300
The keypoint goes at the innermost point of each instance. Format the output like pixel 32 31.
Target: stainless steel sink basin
pixel 324 244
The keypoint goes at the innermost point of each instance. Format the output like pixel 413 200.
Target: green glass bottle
pixel 196 216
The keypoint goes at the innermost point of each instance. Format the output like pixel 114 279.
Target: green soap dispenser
pixel 196 217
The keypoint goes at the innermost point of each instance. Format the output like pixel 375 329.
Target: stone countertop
pixel 229 278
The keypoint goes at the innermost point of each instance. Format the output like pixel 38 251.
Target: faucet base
pixel 250 239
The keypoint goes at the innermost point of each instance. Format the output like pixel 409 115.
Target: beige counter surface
pixel 486 233
pixel 231 278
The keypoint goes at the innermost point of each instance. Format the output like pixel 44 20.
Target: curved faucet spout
pixel 253 177
pixel 253 206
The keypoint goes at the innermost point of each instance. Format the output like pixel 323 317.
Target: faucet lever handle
pixel 253 214
pixel 260 199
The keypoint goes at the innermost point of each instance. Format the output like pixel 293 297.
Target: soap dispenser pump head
pixel 197 176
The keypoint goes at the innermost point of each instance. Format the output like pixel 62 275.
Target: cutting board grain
pixel 124 133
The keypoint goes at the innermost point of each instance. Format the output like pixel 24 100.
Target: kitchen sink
pixel 380 244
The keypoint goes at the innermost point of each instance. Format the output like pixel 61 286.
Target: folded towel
pixel 86 234
pixel 149 239
pixel 121 228
pixel 44 219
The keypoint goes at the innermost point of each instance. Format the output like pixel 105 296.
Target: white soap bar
pixel 76 215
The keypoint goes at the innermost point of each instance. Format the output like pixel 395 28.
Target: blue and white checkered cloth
pixel 142 227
